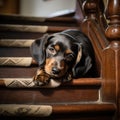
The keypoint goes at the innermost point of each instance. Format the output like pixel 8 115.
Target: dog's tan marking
pixel 62 64
pixel 41 76
pixel 68 51
pixel 79 55
pixel 49 64
pixel 57 47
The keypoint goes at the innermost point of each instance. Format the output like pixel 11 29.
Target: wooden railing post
pixel 111 55
pixel 94 9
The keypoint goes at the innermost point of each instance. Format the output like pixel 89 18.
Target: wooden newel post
pixel 111 55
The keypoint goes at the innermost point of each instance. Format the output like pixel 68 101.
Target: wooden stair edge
pixel 37 19
pixel 89 82
pixel 66 109
pixel 84 82
pixel 84 108
pixel 33 28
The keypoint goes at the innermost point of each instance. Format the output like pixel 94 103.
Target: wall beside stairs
pixel 46 8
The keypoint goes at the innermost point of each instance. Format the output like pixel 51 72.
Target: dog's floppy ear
pixel 83 63
pixel 38 49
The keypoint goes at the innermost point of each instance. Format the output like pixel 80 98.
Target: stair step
pixel 91 82
pixel 16 18
pixel 83 110
pixel 19 35
pixel 78 90
pixel 29 31
pixel 33 28
pixel 83 107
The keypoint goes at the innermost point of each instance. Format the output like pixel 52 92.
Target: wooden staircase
pixel 81 99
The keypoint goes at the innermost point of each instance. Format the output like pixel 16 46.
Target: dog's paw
pixel 41 78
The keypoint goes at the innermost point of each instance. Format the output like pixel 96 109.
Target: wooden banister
pixel 94 9
pixel 111 55
pixel 106 42
pixel 95 15
pixel 93 26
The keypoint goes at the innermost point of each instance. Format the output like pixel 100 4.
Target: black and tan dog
pixel 62 54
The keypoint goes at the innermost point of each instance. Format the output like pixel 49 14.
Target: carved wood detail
pixel 111 55
pixel 106 43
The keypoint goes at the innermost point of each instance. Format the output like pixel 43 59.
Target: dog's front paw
pixel 41 78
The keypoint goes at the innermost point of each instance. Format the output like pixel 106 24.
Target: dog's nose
pixel 55 70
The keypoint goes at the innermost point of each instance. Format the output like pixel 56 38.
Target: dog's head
pixel 59 54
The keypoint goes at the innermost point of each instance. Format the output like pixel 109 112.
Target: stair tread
pixel 96 82
pixel 37 19
pixel 84 107
pixel 72 108
pixel 34 28
pixel 27 20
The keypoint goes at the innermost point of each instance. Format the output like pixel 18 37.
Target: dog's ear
pixel 38 49
pixel 83 63
pixel 79 53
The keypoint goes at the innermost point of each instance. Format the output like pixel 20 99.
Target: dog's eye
pixel 52 50
pixel 70 57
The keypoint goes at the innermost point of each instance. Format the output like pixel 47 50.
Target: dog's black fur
pixel 65 52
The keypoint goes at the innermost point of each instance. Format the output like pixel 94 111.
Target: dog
pixel 66 54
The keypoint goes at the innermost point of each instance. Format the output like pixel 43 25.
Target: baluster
pixel 94 9
pixel 90 8
pixel 113 15
pixel 111 55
